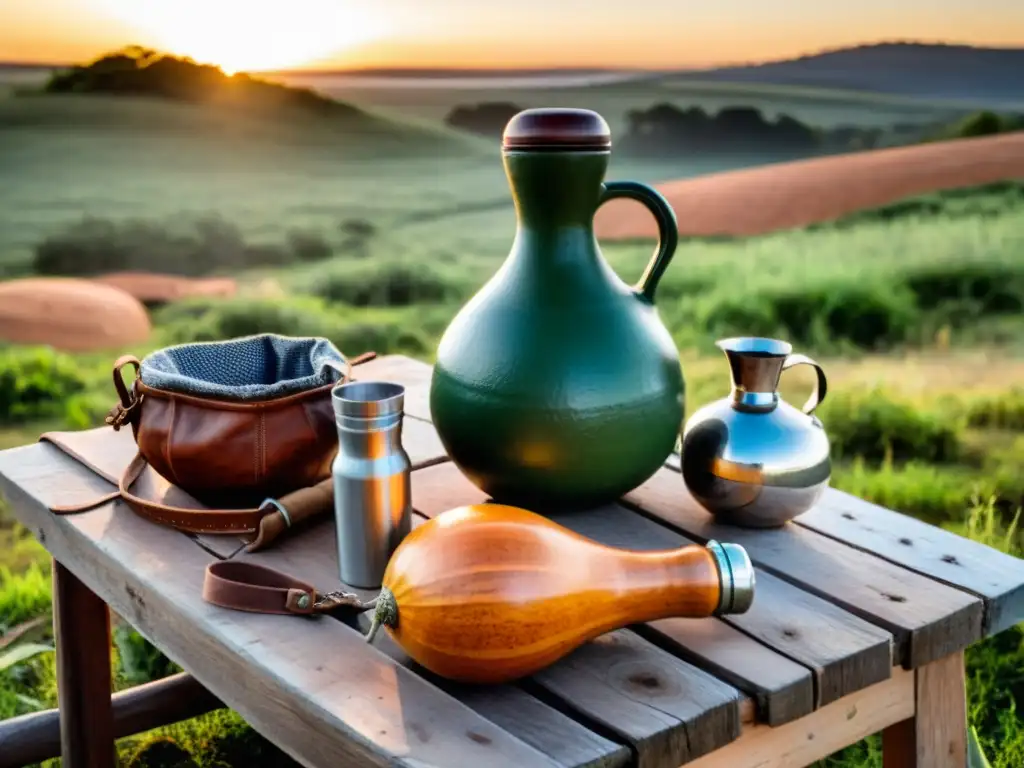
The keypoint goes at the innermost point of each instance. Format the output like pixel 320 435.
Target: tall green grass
pixel 889 281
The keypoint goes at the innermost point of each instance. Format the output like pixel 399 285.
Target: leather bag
pixel 255 456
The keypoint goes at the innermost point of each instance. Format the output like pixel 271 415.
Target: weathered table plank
pixel 782 690
pixel 841 723
pixel 993 576
pixel 928 620
pixel 312 556
pixel 543 726
pixel 996 577
pixel 669 711
pixel 313 687
pixel 843 652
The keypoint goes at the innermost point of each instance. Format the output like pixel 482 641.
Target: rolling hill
pixel 150 93
pixel 930 71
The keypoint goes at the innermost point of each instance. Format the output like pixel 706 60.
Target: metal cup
pixel 372 496
pixel 368 399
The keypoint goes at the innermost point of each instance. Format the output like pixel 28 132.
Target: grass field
pixel 815 106
pixel 67 157
pixel 915 310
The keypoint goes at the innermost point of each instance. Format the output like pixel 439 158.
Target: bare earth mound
pixel 70 314
pixel 156 288
pixel 786 195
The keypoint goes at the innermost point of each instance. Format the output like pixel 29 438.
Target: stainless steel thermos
pixel 372 499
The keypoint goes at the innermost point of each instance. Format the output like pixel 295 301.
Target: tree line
pixel 668 129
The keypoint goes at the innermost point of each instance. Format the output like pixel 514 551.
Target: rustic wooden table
pixel 859 625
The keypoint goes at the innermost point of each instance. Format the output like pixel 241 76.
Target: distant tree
pixel 665 129
pixel 487 119
pixel 789 130
pixel 139 71
pixel 984 123
pixel 981 124
pixel 742 120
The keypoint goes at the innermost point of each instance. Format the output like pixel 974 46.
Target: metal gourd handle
pixel 820 387
pixel 668 229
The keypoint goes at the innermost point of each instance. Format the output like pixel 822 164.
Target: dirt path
pixel 795 194
pixel 156 288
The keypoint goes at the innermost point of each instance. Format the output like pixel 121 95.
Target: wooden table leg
pixel 936 737
pixel 81 623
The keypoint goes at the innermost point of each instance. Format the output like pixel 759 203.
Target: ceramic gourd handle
pixel 820 387
pixel 668 228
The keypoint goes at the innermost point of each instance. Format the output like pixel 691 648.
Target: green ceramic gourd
pixel 557 385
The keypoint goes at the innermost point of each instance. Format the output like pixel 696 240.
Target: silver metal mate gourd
pixel 752 459
pixel 372 495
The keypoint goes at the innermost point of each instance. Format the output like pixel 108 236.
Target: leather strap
pixel 264 523
pixel 188 520
pixel 258 589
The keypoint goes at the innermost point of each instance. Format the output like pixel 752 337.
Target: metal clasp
pixel 118 415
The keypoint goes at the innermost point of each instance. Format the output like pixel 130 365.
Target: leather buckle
pixel 118 415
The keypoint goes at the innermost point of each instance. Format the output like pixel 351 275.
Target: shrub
pixel 934 494
pixel 217 739
pixel 1004 411
pixel 990 288
pixel 36 382
pixel 873 427
pixel 995 688
pixel 88 409
pixel 665 128
pixel 308 246
pixel 995 666
pixel 185 246
pixel 868 316
pixel 140 660
pixel 161 753
pixel 23 596
pixel 387 284
pixel 907 306
pixel 983 123
pixel 29 686
pixel 487 119
pixel 986 199
pixel 203 320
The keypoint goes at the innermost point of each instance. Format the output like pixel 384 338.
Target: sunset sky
pixel 268 34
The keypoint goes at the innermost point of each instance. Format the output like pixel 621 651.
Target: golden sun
pixel 249 35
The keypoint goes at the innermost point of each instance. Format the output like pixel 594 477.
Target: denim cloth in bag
pixel 249 368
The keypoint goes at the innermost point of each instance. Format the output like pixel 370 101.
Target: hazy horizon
pixel 356 69
pixel 345 35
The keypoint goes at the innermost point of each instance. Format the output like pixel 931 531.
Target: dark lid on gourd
pixel 557 128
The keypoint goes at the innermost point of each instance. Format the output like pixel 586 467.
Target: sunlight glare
pixel 249 35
